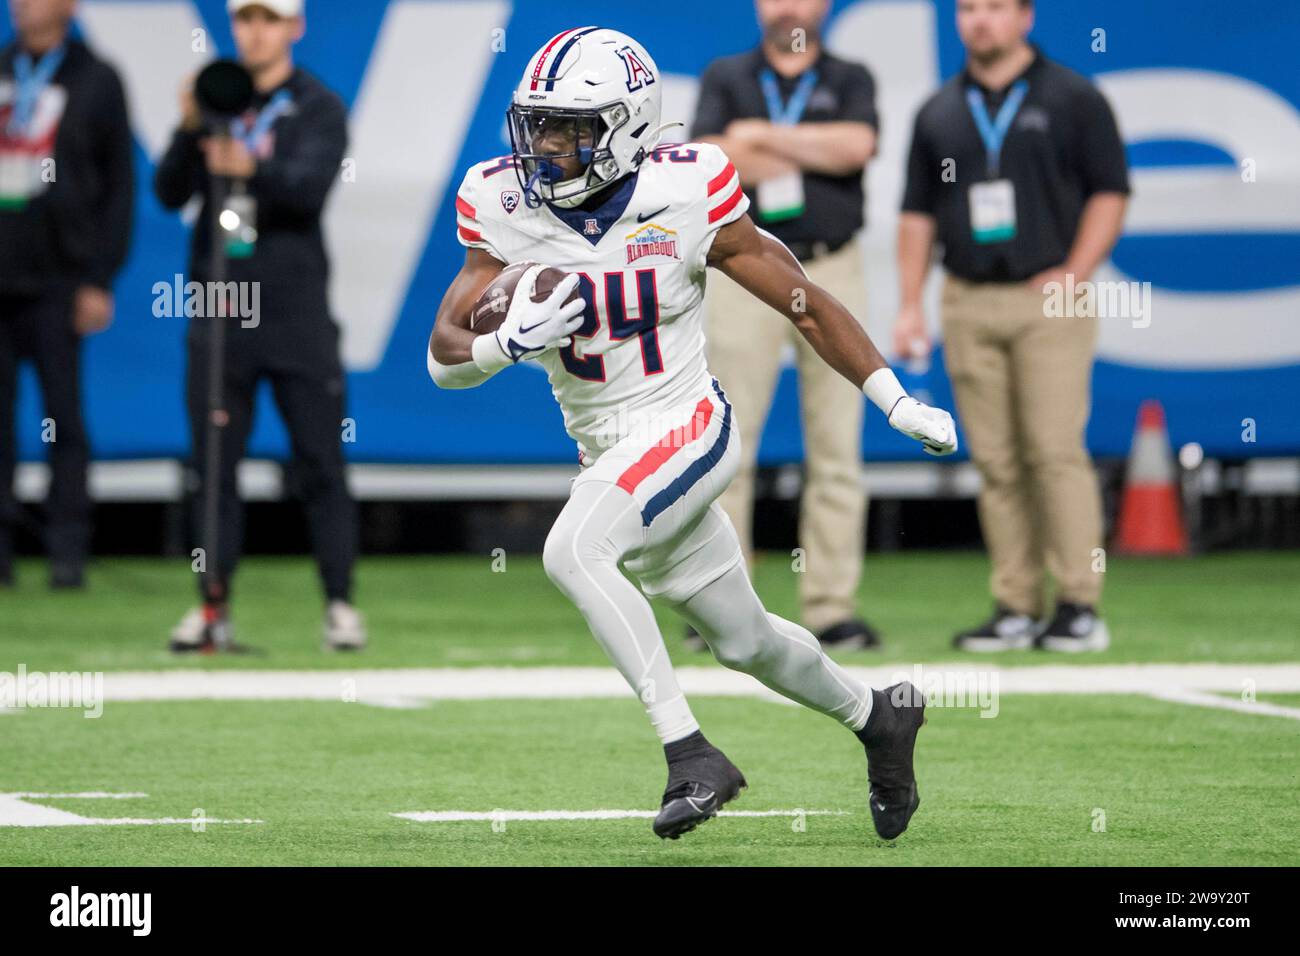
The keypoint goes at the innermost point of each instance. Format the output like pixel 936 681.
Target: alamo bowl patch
pixel 652 240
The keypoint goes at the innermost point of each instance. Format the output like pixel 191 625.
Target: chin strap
pixel 547 172
pixel 530 194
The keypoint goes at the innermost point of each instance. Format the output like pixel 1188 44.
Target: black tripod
pixel 223 89
pixel 217 632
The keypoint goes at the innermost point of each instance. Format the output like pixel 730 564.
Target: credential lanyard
pixel 787 114
pixel 31 79
pixel 994 131
pixel 271 112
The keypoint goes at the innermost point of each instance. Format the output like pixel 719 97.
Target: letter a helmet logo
pixel 638 75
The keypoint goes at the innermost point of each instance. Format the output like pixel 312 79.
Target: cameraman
pixel 285 152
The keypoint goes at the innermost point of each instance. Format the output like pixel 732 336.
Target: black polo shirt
pixel 730 89
pixel 1063 146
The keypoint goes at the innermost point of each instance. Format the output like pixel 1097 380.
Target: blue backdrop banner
pixel 1207 97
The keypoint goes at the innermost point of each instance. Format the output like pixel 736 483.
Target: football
pixel 492 305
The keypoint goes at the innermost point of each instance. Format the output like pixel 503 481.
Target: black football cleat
pixel 889 736
pixel 700 781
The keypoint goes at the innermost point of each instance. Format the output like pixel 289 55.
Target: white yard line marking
pixel 85 795
pixel 395 703
pixel 1199 699
pixel 15 811
pixel 461 816
pixel 388 687
pixel 152 821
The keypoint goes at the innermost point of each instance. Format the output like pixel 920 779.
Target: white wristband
pixel 883 388
pixel 488 354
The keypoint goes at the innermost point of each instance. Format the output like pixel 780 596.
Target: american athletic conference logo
pixel 652 240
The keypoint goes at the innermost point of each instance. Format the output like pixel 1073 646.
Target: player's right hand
pixel 932 427
pixel 533 327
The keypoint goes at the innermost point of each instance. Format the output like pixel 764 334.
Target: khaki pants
pixel 1022 385
pixel 745 342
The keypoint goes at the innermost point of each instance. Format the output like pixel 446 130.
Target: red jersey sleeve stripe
pixel 720 180
pixel 465 209
pixel 719 211
pixel 469 235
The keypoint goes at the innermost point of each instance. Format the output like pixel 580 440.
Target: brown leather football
pixel 491 307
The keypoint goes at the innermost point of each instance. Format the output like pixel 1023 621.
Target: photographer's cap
pixel 281 8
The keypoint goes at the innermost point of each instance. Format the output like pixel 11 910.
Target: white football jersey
pixel 641 258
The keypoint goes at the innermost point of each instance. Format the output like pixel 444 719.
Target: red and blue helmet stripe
pixel 566 41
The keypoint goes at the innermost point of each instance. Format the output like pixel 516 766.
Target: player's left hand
pixel 531 328
pixel 932 427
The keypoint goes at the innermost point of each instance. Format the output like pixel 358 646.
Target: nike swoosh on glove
pixel 532 327
pixel 932 427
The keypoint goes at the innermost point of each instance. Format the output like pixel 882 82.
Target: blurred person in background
pixel 800 126
pixel 66 198
pixel 287 151
pixel 1018 170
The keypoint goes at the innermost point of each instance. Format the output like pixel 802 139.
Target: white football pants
pixel 647 506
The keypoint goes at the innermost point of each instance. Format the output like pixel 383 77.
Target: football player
pixel 588 189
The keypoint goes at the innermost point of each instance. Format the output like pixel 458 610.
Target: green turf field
pixel 455 611
pixel 1055 778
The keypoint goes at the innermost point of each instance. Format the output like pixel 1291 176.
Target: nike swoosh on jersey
pixel 643 217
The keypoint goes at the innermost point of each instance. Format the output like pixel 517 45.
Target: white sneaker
pixel 194 633
pixel 345 628
pixel 188 634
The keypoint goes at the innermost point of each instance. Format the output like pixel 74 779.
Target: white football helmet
pixel 588 93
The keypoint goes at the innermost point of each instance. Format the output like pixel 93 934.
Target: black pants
pixel 308 387
pixel 40 329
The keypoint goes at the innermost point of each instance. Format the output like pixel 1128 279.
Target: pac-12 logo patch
pixel 651 240
pixel 638 74
pixel 510 200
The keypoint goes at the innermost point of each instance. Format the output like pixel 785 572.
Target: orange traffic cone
pixel 1150 520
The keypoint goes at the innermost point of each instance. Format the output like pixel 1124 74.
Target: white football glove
pixel 531 328
pixel 932 427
